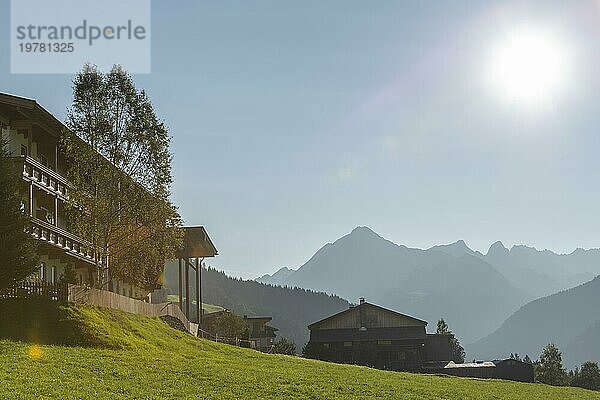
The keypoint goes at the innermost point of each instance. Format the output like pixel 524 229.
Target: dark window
pixel 23 150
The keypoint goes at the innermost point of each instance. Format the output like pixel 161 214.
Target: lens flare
pixel 35 352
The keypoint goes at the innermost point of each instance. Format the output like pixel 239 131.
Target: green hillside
pixel 208 308
pixel 111 355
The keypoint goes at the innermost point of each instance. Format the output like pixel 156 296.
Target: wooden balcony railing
pixel 43 176
pixel 63 239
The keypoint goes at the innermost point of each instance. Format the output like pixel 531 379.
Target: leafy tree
pixel 18 257
pixel 120 169
pixel 527 359
pixel 284 346
pixel 549 368
pixel 458 352
pixel 228 325
pixel 587 377
pixel 515 356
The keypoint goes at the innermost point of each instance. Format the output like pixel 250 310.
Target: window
pixel 43 272
pixel 44 160
pixel 23 150
pixel 53 274
pixel 347 344
pixel 384 342
pixel 326 345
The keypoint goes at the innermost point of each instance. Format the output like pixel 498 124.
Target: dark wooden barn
pixel 371 335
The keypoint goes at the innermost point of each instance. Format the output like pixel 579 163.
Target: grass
pixel 112 355
pixel 208 308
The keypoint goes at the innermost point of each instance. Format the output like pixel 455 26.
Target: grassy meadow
pixel 101 354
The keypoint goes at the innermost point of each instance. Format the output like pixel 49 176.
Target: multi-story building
pixel 32 135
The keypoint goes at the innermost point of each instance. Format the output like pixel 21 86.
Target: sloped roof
pixel 365 304
pixel 31 109
pixel 197 243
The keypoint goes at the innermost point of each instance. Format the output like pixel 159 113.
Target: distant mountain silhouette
pixel 456 249
pixel 466 291
pixel 475 292
pixel 449 281
pixel 277 278
pixel 570 319
pixel 544 272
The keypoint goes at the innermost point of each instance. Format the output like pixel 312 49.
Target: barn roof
pixel 365 304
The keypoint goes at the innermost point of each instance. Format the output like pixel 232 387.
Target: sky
pixel 294 122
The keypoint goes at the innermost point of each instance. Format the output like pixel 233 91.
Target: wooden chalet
pixel 371 335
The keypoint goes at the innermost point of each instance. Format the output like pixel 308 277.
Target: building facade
pixel 374 336
pixel 261 335
pixel 32 136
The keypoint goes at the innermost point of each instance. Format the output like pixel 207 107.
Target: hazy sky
pixel 294 122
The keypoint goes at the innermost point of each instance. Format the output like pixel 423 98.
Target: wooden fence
pixel 62 292
pixel 106 299
pixel 37 290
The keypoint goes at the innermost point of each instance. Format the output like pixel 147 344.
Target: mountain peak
pixel 497 248
pixel 278 277
pixel 363 230
pixel 456 249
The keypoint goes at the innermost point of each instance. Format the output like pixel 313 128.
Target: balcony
pixel 57 237
pixel 44 177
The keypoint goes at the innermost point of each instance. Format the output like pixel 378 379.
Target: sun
pixel 528 66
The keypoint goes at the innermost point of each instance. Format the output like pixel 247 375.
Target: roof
pixel 485 364
pixel 266 319
pixel 365 304
pixel 197 243
pixel 31 109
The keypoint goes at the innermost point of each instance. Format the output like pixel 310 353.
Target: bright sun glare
pixel 528 66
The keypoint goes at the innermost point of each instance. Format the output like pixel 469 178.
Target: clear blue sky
pixel 294 122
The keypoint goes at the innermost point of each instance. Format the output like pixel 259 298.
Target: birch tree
pixel 120 169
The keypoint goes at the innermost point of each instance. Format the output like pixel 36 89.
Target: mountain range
pixel 570 319
pixel 474 292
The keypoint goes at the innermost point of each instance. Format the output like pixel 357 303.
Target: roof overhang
pixel 197 243
pixel 32 110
